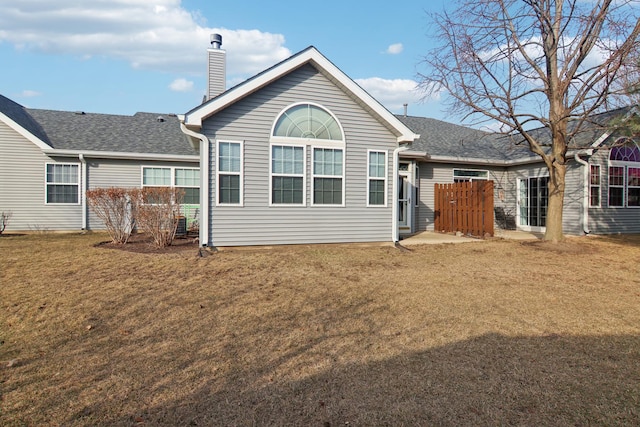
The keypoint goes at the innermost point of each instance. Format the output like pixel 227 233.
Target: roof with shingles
pixel 18 114
pixel 439 138
pixel 140 133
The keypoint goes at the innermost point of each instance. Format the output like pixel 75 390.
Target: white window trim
pixel 599 186
pixel 370 178
pixel 283 140
pixel 342 177
pixel 240 174
pixel 519 226
pixel 289 143
pixel 634 165
pixel 625 165
pixel 471 178
pixel 77 183
pixel 172 174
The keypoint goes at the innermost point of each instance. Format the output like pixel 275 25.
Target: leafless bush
pixel 4 220
pixel 159 212
pixel 116 207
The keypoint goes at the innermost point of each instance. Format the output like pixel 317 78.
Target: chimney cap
pixel 216 40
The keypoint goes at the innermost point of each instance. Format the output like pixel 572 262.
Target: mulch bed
pixel 140 243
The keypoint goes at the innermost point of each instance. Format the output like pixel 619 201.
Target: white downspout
pixel 204 183
pixel 395 234
pixel 84 173
pixel 585 191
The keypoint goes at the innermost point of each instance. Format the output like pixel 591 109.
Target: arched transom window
pixel 624 175
pixel 307 121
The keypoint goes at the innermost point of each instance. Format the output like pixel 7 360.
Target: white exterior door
pixel 533 195
pixel 405 202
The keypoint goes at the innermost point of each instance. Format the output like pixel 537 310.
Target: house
pixel 297 154
pixel 301 154
pixel 48 159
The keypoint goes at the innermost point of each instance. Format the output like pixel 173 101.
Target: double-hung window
pixel 287 175
pixel 229 177
pixel 186 179
pixel 62 183
pixel 328 176
pixel 377 178
pixel 624 176
pixel 594 186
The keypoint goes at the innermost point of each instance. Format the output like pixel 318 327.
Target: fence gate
pixel 466 207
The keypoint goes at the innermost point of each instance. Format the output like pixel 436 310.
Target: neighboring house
pixel 301 154
pixel 602 183
pixel 48 159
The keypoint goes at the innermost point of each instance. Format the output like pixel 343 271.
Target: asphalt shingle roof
pixel 140 133
pixel 18 114
pixel 439 138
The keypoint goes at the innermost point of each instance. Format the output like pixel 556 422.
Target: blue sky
pixel 124 56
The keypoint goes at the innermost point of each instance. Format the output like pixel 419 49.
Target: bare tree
pixel 5 217
pixel 534 63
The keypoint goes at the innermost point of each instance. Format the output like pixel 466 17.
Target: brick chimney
pixel 216 67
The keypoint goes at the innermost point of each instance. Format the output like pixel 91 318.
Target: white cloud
pixel 395 49
pixel 29 93
pixel 159 35
pixel 392 93
pixel 181 85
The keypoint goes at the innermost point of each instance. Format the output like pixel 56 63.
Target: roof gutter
pixel 204 181
pixel 121 155
pixel 479 161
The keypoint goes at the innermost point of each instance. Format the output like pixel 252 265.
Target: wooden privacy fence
pixel 466 207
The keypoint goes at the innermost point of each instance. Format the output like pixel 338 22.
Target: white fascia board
pixel 122 155
pixel 310 55
pixel 478 161
pixel 25 133
pixel 414 154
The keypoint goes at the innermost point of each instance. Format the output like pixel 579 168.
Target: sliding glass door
pixel 533 201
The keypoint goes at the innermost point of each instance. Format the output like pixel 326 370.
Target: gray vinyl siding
pixel 256 223
pixel 442 173
pixel 104 173
pixel 22 187
pixel 605 219
pixel 572 221
pixel 22 184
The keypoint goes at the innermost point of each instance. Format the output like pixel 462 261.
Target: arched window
pixel 307 121
pixel 624 175
pixel 298 129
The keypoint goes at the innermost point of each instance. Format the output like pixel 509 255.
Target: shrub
pixel 159 212
pixel 4 220
pixel 116 207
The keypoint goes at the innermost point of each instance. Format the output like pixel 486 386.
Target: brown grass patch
pixel 501 333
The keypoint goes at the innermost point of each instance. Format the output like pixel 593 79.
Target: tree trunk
pixel 554 232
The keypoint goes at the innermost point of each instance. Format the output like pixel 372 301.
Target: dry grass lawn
pixel 491 333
